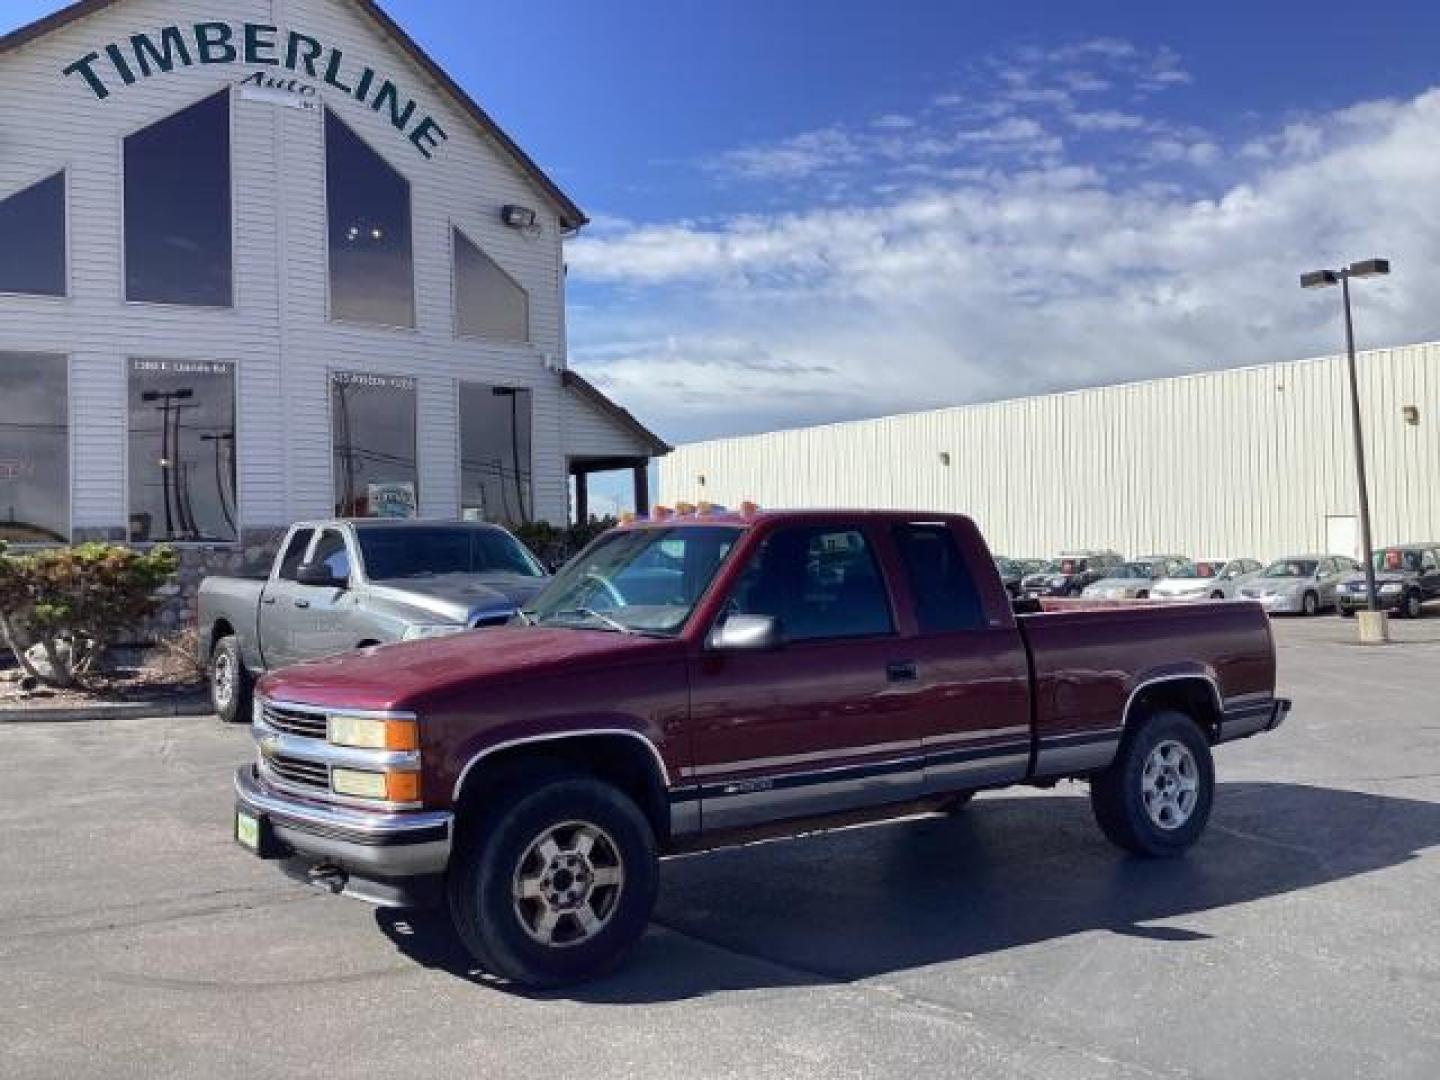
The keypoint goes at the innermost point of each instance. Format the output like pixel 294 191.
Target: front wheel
pixel 231 685
pixel 554 883
pixel 1414 605
pixel 1311 604
pixel 1155 798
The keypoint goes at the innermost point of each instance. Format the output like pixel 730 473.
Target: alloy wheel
pixel 1170 785
pixel 567 884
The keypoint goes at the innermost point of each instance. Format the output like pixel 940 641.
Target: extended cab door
pixel 322 618
pixel 829 720
pixel 277 642
pixel 972 672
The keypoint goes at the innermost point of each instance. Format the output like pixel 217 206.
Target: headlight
pixel 1058 582
pixel 367 733
pixel 384 786
pixel 1390 588
pixel 429 630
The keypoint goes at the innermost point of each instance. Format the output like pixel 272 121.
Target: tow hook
pixel 327 877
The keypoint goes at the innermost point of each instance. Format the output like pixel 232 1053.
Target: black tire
pixel 1345 612
pixel 1310 605
pixel 1118 795
pixel 499 842
pixel 1217 595
pixel 232 687
pixel 1413 606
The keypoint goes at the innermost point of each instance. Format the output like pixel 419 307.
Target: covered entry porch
pixel 602 437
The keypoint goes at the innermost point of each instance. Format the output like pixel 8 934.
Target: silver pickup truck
pixel 338 585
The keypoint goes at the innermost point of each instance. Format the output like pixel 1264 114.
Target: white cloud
pixel 1105 120
pixel 1013 279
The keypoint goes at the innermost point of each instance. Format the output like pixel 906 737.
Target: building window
pixel 373 435
pixel 372 271
pixel 489 303
pixel 177 208
pixel 495 454
pixel 32 239
pixel 34 449
pixel 182 452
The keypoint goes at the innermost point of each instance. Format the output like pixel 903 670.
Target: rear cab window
pixel 941 586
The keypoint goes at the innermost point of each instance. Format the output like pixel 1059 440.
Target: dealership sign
pixel 267 51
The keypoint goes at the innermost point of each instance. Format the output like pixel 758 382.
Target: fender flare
pixel 557 736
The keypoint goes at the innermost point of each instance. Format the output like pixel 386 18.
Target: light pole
pixel 1319 279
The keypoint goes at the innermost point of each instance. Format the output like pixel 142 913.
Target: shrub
pixel 555 546
pixel 72 602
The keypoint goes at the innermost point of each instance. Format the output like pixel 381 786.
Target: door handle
pixel 902 671
pixel 302 603
pixel 269 601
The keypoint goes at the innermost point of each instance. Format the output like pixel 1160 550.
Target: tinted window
pixel 944 593
pixel 372 273
pixel 820 582
pixel 295 554
pixel 34 449
pixel 495 453
pixel 373 434
pixel 390 553
pixel 177 208
pixel 32 239
pixel 332 554
pixel 489 303
pixel 182 451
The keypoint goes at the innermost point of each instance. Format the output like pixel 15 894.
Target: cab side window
pixel 820 582
pixel 295 554
pixel 944 593
pixel 332 554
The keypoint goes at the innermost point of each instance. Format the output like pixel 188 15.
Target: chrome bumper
pixel 365 843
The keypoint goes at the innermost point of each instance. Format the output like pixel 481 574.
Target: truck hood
pixel 398 676
pixel 460 598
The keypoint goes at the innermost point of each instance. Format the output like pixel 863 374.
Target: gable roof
pixel 571 216
pixel 597 399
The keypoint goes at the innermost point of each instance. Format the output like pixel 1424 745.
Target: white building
pixel 263 260
pixel 1254 461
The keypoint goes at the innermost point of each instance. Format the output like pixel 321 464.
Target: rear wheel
pixel 1310 604
pixel 1217 595
pixel 1414 605
pixel 1155 799
pixel 231 685
pixel 554 882
pixel 1346 612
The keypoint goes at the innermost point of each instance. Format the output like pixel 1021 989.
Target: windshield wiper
pixel 591 613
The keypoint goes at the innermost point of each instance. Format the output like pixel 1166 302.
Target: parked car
pixel 1206 579
pixel 1070 573
pixel 534 773
pixel 1407 577
pixel 1014 571
pixel 1299 584
pixel 1134 580
pixel 338 585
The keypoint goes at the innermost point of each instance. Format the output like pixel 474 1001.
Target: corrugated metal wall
pixel 1250 461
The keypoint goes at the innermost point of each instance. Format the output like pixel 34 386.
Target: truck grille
pixel 311 774
pixel 307 725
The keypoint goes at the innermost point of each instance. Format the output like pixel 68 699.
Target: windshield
pixel 1007 568
pixel 1396 561
pixel 639 580
pixel 394 553
pixel 1199 570
pixel 1290 568
pixel 1134 570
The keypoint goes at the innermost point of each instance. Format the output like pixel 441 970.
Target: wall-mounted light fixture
pixel 1411 413
pixel 945 458
pixel 518 217
pixel 700 480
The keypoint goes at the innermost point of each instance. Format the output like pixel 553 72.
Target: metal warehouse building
pixel 263 260
pixel 1252 461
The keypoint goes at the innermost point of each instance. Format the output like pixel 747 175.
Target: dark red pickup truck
pixel 692 681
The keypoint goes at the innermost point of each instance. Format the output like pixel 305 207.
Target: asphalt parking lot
pixel 1296 940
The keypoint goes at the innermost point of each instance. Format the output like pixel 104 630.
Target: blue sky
pixel 817 211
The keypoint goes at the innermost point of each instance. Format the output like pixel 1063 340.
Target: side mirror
pixel 318 575
pixel 746 633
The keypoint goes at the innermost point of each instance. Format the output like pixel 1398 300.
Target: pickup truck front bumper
pixel 379 857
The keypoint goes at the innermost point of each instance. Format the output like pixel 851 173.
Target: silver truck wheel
pixel 553 879
pixel 1170 785
pixel 1155 798
pixel 231 684
pixel 568 884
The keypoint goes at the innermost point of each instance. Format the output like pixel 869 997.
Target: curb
pixel 130 710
